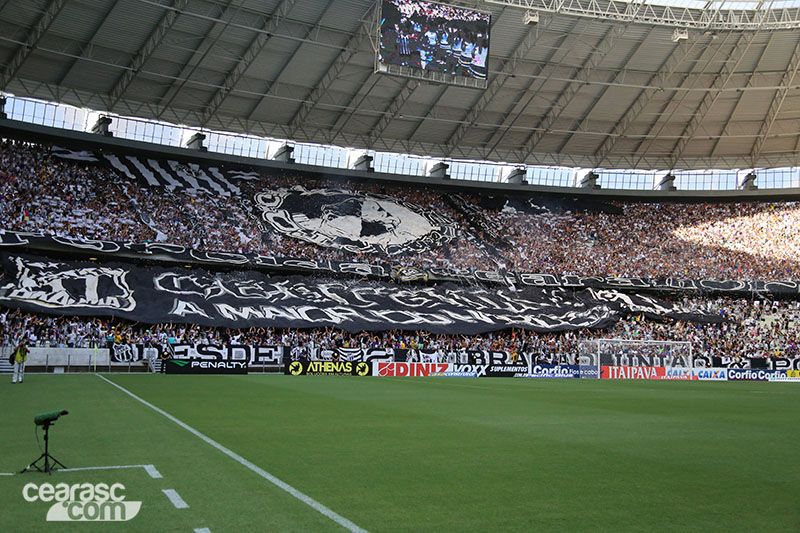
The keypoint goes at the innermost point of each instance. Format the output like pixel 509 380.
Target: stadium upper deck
pixel 617 89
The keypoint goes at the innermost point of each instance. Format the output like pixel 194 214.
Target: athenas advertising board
pixel 328 368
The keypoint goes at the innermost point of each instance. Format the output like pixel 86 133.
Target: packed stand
pixel 751 329
pixel 39 192
pixel 695 241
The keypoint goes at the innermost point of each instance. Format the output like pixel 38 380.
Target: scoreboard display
pixel 435 41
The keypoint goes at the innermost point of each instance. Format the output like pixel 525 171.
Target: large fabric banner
pixel 352 221
pixel 168 174
pixel 172 254
pixel 243 299
pixel 789 362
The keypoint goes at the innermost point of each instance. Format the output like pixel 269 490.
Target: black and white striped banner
pixel 169 174
pixel 74 155
pixel 173 175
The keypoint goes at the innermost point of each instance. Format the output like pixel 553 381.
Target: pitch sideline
pixel 308 500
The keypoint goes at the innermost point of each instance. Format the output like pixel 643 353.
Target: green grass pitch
pixel 394 454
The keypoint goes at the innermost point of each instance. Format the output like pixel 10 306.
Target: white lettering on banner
pixel 750 374
pixel 678 373
pixel 711 374
pixel 182 308
pixel 218 364
pixel 632 372
pixel 552 371
pixel 469 370
pixel 255 355
pixel 782 378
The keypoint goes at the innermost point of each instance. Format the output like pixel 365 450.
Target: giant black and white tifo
pixel 356 222
pixel 245 298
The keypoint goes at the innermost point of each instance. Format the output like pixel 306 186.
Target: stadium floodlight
pixel 680 34
pixel 530 18
pixel 103 126
pixel 749 182
pixel 46 420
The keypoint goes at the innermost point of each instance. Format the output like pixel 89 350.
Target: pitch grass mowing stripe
pixel 314 504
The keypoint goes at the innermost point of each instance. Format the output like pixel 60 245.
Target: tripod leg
pixel 33 465
pixel 56 462
pixel 50 462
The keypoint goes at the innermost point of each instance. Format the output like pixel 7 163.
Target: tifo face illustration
pixel 355 222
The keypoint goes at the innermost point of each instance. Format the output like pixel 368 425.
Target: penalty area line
pixel 150 469
pixel 308 500
pixel 175 498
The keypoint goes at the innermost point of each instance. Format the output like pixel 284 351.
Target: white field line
pixel 202 530
pixel 150 469
pixel 173 496
pixel 337 518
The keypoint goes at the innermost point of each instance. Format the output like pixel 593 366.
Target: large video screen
pixel 433 37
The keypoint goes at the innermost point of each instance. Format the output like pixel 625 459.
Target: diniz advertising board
pixel 392 369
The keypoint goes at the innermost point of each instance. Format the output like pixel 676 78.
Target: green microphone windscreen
pixel 43 418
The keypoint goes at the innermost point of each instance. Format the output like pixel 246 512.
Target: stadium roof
pixel 596 83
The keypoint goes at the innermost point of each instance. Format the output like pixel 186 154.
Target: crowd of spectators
pixel 696 241
pixel 39 192
pixel 751 329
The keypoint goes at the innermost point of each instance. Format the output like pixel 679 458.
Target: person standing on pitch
pixel 20 356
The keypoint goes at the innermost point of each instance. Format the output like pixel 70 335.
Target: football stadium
pixel 399 265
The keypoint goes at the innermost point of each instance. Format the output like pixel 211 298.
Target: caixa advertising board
pixel 711 374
